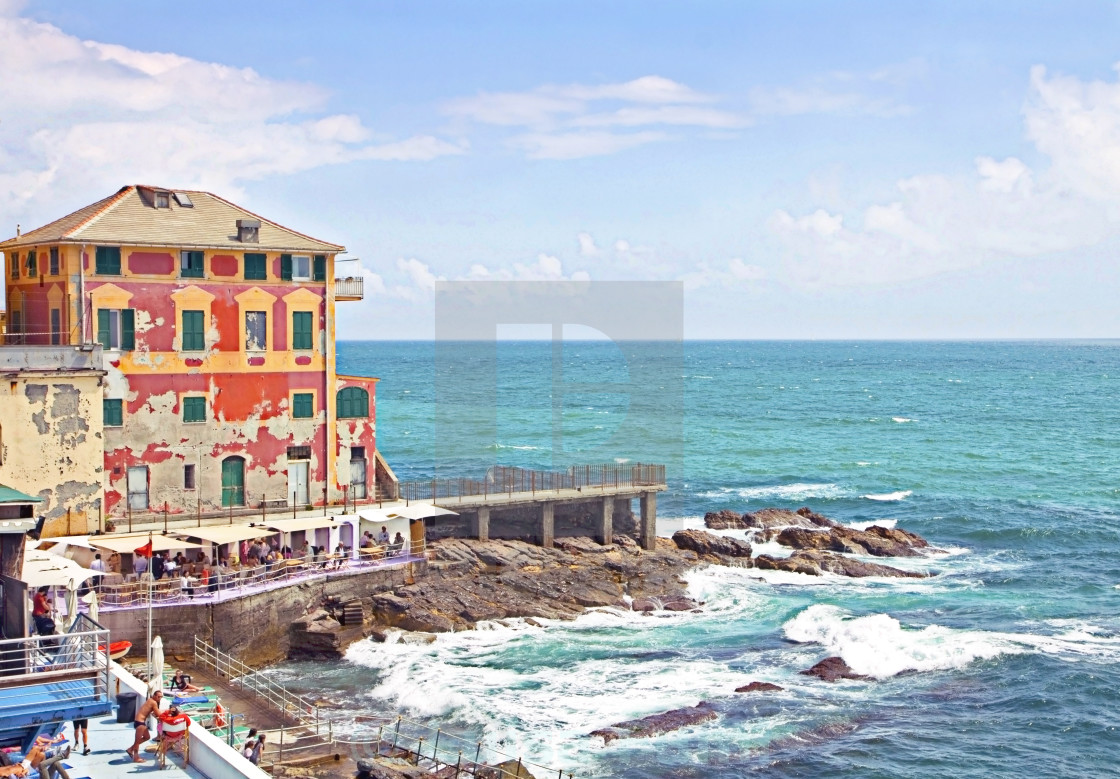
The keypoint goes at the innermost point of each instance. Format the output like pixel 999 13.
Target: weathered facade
pixel 217 327
pixel 51 443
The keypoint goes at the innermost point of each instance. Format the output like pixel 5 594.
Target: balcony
pixel 352 288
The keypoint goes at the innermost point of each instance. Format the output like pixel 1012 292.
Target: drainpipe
pixel 82 318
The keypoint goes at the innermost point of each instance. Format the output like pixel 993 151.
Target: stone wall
pixel 254 628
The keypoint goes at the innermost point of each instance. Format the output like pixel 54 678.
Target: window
pixel 32 265
pixel 188 477
pixel 108 261
pixel 301 330
pixel 299 452
pixel 194 409
pixel 13 264
pixel 256 267
pixel 192 265
pixel 319 270
pixel 353 403
pixel 113 411
pixel 183 200
pixel 56 326
pixel 54 261
pixel 256 331
pixel 303 405
pixel 116 328
pixel 163 199
pixel 295 267
pixel 194 332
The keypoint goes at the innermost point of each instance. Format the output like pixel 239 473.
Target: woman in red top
pixel 41 613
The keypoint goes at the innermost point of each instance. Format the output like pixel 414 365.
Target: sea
pixel 1005 662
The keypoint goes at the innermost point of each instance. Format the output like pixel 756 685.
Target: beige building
pixel 51 439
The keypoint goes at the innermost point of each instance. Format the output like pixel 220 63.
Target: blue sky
pixel 808 170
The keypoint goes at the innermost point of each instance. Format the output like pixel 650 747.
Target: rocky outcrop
pixel 765 519
pixel 759 687
pixel 712 548
pixel 876 541
pixel 320 636
pixel 656 724
pixel 491 580
pixel 832 669
pixel 814 563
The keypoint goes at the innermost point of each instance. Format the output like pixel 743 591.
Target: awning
pixel 423 511
pixel 226 534
pixel 128 544
pixel 378 515
pixel 42 569
pixel 296 525
pixel 17 525
pixel 52 542
pixel 8 495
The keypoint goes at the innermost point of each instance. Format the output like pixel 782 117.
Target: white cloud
pixel 736 274
pixel 546 268
pixel 91 116
pixel 688 116
pixel 587 246
pixel 576 145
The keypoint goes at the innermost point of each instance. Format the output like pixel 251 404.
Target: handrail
pixel 501 479
pixel 82 653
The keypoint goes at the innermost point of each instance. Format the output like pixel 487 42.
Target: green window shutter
pixel 54 261
pixel 302 405
pixel 301 330
pixel 128 329
pixel 194 409
pixel 13 264
pixel 32 265
pixel 103 327
pixel 108 260
pixel 353 403
pixel 286 267
pixel 320 268
pixel 194 332
pixel 112 412
pixel 192 265
pixel 256 267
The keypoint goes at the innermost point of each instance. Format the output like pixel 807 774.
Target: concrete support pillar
pixel 606 522
pixel 548 531
pixel 647 523
pixel 481 524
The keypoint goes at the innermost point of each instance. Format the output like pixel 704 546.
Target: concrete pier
pixel 648 521
pixel 606 526
pixel 548 523
pixel 482 524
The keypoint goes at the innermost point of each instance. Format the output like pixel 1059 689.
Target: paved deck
pixel 108 740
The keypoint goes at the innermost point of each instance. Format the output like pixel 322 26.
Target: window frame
pixel 13 264
pixel 301 335
pixel 32 264
pixel 345 402
pixel 298 399
pixel 190 477
pixel 196 335
pixel 120 332
pixel 107 260
pixel 187 260
pixel 262 343
pixel 301 259
pixel 259 263
pixel 56 262
pixel 197 404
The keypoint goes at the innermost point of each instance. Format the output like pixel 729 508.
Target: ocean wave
pixel 879 646
pixel 889 496
pixel 790 492
pixel 495 447
pixel 887 523
pixel 901 420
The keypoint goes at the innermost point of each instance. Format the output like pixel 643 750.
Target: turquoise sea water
pixel 1004 455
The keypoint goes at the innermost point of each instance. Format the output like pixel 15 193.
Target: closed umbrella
pixel 71 603
pixel 155 677
pixel 90 599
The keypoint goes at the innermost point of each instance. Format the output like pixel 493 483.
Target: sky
pixel 805 169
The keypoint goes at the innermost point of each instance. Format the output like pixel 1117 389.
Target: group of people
pixel 392 548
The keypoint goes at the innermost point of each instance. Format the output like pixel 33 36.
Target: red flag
pixel 144 551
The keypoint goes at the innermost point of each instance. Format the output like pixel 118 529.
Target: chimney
pixel 248 230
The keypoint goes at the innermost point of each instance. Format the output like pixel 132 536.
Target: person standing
pixel 258 748
pixel 157 566
pixel 41 613
pixel 81 734
pixel 150 707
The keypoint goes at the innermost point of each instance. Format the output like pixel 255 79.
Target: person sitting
pixel 383 536
pixel 397 546
pixel 186 584
pixel 46 756
pixel 181 682
pixel 41 613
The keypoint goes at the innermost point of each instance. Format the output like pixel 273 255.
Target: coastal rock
pixel 724 519
pixel 759 687
pixel 772 518
pixel 656 724
pixel 813 563
pixel 876 541
pixel 832 669
pixel 729 551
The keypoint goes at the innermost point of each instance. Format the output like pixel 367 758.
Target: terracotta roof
pixel 128 218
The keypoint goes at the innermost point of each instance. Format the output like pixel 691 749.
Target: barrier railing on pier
pixel 502 479
pixel 80 654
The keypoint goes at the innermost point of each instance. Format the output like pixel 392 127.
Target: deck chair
pixel 175 738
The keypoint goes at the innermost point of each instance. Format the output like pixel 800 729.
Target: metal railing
pixel 507 480
pixel 435 749
pixel 81 654
pixel 246 678
pixel 226 584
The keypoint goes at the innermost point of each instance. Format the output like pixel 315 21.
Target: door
pixel 357 476
pixel 138 488
pixel 297 483
pixel 233 481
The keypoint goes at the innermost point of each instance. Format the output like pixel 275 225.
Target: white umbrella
pixel 155 678
pixel 71 603
pixel 90 599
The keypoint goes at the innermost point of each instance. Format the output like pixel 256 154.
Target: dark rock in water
pixel 832 669
pixel 771 517
pixel 645 604
pixel 724 519
pixel 759 687
pixel 680 604
pixel 817 519
pixel 876 541
pixel 656 724
pixel 728 551
pixel 814 563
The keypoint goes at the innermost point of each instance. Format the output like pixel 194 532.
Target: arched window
pixel 233 481
pixel 353 403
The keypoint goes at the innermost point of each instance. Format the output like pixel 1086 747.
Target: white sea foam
pixel 901 420
pixel 888 523
pixel 878 645
pixel 791 492
pixel 889 496
pixel 514 446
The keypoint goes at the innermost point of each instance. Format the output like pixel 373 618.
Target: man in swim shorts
pixel 150 707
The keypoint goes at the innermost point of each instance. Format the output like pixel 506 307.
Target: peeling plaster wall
pixel 51 445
